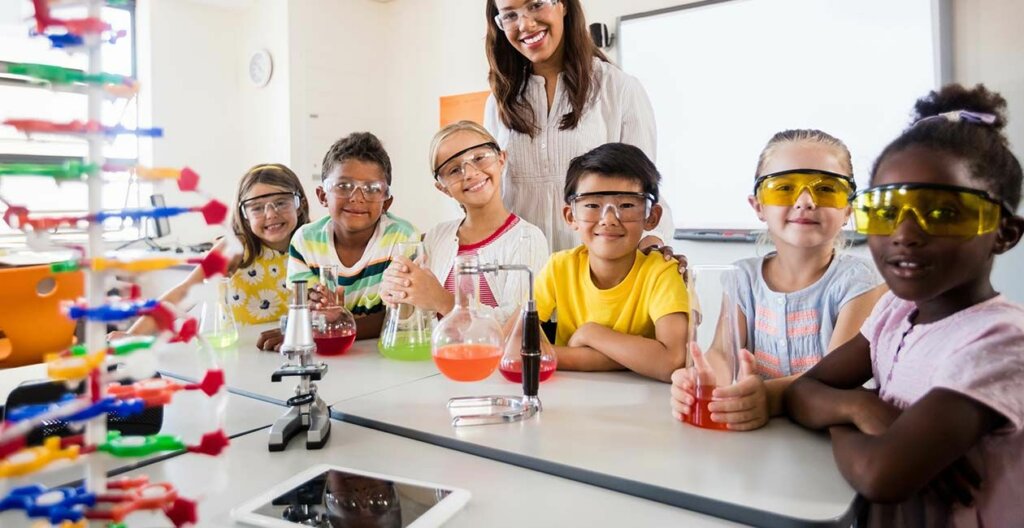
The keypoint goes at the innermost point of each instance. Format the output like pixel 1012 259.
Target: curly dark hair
pixel 983 146
pixel 362 146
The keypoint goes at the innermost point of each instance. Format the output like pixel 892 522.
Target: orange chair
pixel 31 323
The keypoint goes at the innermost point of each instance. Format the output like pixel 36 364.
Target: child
pixel 947 425
pixel 802 300
pixel 358 234
pixel 271 206
pixel 467 166
pixel 616 307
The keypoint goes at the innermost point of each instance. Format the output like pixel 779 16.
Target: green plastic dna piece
pixel 59 75
pixel 69 170
pixel 66 266
pixel 128 345
pixel 139 446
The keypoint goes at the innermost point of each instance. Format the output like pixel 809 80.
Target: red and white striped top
pixel 486 295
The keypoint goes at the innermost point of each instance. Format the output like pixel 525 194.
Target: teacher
pixel 555 96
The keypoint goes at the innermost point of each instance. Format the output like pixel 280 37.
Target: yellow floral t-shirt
pixel 259 293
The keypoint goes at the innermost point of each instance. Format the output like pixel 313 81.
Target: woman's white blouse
pixel 534 182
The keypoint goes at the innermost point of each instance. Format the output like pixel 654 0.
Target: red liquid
pixel 333 344
pixel 467 362
pixel 514 371
pixel 700 415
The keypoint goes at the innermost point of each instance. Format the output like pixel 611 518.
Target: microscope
pixel 307 410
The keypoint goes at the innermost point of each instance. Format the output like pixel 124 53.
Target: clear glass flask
pixel 714 332
pixel 216 322
pixel 334 327
pixel 407 330
pixel 467 343
pixel 511 366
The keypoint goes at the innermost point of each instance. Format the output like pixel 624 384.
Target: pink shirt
pixel 979 353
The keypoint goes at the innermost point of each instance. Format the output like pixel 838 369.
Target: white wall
pixel 193 57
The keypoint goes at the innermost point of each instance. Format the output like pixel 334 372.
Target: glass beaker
pixel 511 366
pixel 334 328
pixel 713 330
pixel 406 332
pixel 467 342
pixel 216 322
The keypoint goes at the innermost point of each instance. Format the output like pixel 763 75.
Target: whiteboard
pixel 724 76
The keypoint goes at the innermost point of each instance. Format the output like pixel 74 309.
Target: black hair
pixel 982 145
pixel 614 160
pixel 362 146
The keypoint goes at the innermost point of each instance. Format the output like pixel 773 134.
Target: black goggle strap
pixel 458 154
pixel 760 179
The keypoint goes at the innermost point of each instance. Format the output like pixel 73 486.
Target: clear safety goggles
pixel 625 206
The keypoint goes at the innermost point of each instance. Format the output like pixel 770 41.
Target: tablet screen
pixel 337 499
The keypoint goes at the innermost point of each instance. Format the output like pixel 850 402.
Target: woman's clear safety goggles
pixel 626 206
pixel 256 208
pixel 940 210
pixel 827 189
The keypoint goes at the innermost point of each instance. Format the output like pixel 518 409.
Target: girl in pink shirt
pixel 942 441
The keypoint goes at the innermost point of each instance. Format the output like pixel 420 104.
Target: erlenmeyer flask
pixel 713 331
pixel 406 332
pixel 216 323
pixel 511 366
pixel 467 342
pixel 334 328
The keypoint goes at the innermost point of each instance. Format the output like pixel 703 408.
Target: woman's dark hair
pixel 362 146
pixel 982 145
pixel 271 174
pixel 510 71
pixel 614 160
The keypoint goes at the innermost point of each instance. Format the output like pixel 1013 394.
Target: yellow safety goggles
pixel 940 210
pixel 827 189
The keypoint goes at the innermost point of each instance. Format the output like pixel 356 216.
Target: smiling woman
pixel 555 96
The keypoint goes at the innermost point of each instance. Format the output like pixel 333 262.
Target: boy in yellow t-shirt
pixel 616 308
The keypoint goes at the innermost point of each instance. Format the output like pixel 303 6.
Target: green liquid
pixel 405 347
pixel 222 340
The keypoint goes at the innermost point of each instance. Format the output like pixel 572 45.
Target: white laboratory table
pixel 502 494
pixel 359 371
pixel 615 430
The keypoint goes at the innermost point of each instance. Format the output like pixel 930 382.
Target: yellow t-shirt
pixel 259 293
pixel 652 289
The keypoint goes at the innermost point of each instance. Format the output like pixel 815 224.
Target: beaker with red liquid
pixel 334 327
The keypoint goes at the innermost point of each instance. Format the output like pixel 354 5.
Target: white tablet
pixel 329 496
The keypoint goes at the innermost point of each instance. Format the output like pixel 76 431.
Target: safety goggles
pixel 376 191
pixel 280 203
pixel 827 189
pixel 940 210
pixel 480 157
pixel 626 206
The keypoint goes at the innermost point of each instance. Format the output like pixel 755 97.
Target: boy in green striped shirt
pixel 358 234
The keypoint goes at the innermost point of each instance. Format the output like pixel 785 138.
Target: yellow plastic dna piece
pixel 134 266
pixel 70 368
pixel 157 173
pixel 32 459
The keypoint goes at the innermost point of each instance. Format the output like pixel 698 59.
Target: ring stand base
pixel 501 409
